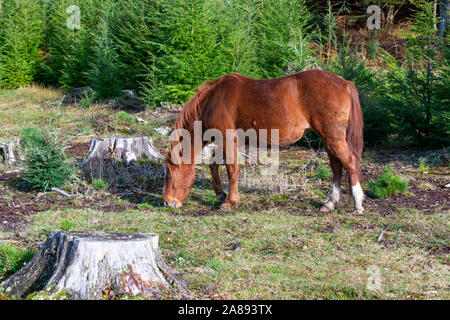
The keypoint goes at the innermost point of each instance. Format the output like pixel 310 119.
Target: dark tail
pixel 355 123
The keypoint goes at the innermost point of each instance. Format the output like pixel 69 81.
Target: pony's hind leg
pixel 217 183
pixel 336 195
pixel 341 151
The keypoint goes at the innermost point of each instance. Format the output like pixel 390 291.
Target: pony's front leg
pixel 233 178
pixel 231 161
pixel 216 183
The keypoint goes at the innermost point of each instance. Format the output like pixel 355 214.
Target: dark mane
pixel 194 107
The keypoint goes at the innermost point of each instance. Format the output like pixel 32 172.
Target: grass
pixel 287 249
pixel 12 259
pixel 282 256
pixel 387 183
pixel 99 184
pixel 125 117
pixel 322 172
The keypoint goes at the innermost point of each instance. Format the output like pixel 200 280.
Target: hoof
pixel 222 197
pixel 359 211
pixel 327 207
pixel 227 206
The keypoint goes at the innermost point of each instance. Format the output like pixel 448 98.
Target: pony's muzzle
pixel 175 204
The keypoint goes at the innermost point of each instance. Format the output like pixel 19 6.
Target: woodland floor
pixel 275 245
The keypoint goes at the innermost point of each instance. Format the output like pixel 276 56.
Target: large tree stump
pixel 83 265
pixel 127 150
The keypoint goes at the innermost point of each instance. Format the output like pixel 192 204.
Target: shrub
pixel 422 166
pixel 46 165
pixel 418 92
pixel 12 259
pixel 387 184
pixel 87 100
pixel 99 184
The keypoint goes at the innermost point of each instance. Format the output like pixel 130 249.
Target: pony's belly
pixel 290 135
pixel 286 134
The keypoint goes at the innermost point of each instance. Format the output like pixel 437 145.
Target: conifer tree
pixel 104 73
pixel 20 41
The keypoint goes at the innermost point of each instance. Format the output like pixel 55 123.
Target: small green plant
pixel 99 184
pixel 12 259
pixel 121 181
pixel 422 166
pixel 87 100
pixel 144 206
pixel 65 224
pixel 46 165
pixel 125 117
pixel 320 193
pixel 387 184
pixel 322 172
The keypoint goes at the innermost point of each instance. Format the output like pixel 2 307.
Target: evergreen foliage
pixel 20 41
pixel 46 165
pixel 164 49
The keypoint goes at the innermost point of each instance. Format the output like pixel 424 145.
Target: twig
pixel 380 236
pixel 62 192
pixel 143 192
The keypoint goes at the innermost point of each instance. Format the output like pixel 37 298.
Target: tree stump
pixel 116 149
pixel 9 152
pixel 84 265
pixel 75 95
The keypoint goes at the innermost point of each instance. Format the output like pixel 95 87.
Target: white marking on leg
pixel 335 196
pixel 358 194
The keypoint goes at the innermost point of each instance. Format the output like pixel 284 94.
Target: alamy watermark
pixel 74 19
pixel 374 280
pixel 374 21
pixel 186 147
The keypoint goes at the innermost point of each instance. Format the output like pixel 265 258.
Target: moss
pixel 50 294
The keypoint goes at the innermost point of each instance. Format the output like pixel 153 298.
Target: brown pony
pixel 311 100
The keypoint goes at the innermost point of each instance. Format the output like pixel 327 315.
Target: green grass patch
pixel 99 184
pixel 12 259
pixel 125 117
pixel 322 172
pixel 145 206
pixel 65 224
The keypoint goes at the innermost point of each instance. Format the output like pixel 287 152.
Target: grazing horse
pixel 311 100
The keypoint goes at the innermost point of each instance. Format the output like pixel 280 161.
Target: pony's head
pixel 178 180
pixel 180 176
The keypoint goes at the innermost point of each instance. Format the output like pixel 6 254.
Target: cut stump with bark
pixel 84 265
pixel 127 150
pixel 9 152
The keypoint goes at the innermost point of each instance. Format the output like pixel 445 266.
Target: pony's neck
pixel 196 143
